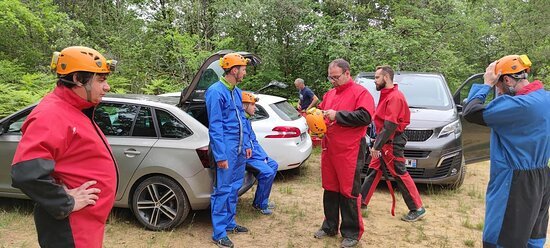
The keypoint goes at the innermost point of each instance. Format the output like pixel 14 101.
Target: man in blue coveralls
pixel 229 146
pixel 264 166
pixel 518 194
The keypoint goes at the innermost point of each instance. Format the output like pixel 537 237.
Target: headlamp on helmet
pixel 516 66
pixel 79 58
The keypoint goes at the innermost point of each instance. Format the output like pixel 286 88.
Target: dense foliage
pixel 161 43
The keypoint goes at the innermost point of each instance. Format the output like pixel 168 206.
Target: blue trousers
pixel 266 174
pixel 223 201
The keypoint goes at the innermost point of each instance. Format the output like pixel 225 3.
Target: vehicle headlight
pixel 453 127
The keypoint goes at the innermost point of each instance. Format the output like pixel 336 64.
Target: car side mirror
pixel 1 130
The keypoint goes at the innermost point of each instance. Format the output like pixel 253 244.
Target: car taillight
pixel 203 156
pixel 285 132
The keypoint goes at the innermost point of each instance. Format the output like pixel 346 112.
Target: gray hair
pixel 299 80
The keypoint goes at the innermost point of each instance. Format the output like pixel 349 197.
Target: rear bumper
pixel 288 153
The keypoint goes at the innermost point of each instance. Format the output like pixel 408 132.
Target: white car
pixel 279 128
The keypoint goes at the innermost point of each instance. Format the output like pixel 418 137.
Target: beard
pixel 381 86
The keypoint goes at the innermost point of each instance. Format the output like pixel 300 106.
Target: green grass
pixel 469 243
pixel 478 226
pixel 286 189
pixel 464 207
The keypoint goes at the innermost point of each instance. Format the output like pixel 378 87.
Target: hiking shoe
pixel 266 211
pixel 270 205
pixel 347 242
pixel 224 242
pixel 321 234
pixel 414 215
pixel 238 229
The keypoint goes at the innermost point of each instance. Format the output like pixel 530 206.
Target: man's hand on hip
pixel 83 195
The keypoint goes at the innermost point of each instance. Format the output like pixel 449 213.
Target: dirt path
pixel 455 218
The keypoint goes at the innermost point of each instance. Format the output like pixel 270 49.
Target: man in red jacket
pixel 348 108
pixel 391 117
pixel 63 161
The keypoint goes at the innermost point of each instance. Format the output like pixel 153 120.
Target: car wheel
pixel 459 180
pixel 159 203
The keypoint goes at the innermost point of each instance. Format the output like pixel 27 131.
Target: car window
pixel 211 75
pixel 170 126
pixel 144 126
pixel 285 111
pixel 421 91
pixel 115 119
pixel 260 114
pixel 15 124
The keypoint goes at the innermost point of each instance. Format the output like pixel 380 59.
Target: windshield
pixel 421 91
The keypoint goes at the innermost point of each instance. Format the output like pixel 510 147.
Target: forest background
pixel 161 43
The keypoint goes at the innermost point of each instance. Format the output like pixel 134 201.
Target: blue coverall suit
pixel 518 194
pixel 266 168
pixel 228 141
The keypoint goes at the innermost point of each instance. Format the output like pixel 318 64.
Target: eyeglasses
pixel 335 78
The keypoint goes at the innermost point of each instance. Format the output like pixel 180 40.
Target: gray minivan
pixel 434 153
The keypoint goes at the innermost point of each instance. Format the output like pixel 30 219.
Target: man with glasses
pixel 348 108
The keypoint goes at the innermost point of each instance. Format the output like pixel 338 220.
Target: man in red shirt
pixel 348 108
pixel 390 119
pixel 63 161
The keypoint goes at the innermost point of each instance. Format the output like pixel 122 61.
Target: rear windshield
pixel 285 111
pixel 421 91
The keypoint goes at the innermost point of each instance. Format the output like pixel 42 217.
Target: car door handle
pixel 132 152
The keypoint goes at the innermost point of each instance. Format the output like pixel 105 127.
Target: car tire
pixel 460 180
pixel 159 203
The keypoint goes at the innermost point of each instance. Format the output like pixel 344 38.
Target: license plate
pixel 410 163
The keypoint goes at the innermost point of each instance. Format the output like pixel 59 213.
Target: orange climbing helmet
pixel 79 58
pixel 232 59
pixel 513 64
pixel 248 97
pixel 315 121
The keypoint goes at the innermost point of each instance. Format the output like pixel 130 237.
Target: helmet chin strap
pixel 87 87
pixel 512 89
